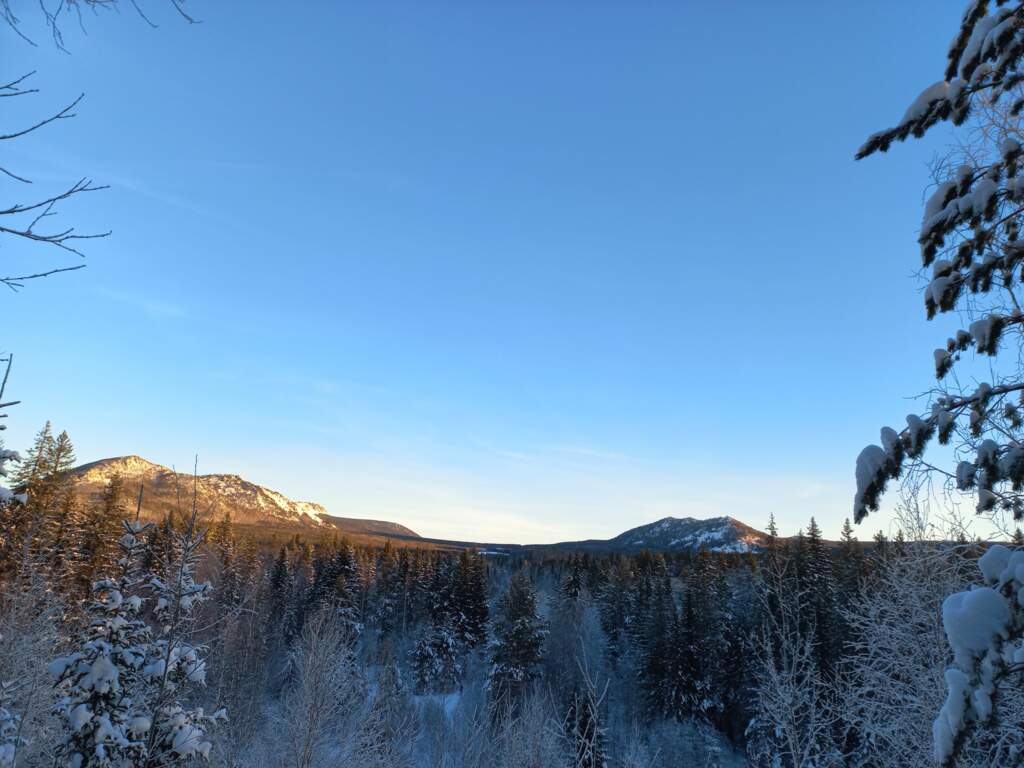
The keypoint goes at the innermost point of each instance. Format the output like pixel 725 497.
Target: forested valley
pixel 159 643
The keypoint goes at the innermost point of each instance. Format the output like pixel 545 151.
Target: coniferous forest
pixel 143 626
pixel 166 642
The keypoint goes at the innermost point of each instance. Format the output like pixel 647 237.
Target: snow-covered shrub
pixel 985 628
pixel 10 726
pixel 893 679
pixel 328 715
pixel 7 496
pixel 795 717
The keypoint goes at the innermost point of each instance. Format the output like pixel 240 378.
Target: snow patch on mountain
pixel 678 534
pixel 675 534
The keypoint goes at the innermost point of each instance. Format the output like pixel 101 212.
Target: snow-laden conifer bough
pixel 970 240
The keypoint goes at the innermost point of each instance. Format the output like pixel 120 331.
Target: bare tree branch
pixel 64 114
pixel 14 283
pixel 54 11
pixel 23 219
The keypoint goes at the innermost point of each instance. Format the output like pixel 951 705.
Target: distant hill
pixel 677 534
pixel 248 503
pixel 268 514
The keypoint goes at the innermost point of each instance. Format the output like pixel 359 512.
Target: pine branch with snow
pixel 970 240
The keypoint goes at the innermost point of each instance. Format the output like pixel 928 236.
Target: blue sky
pixel 500 271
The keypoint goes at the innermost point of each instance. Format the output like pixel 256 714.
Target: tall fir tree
pixel 574 582
pixel 95 550
pixel 656 650
pixel 55 501
pixel 470 599
pixel 850 563
pixel 518 637
pixel 707 597
pixel 35 467
pixel 390 588
pixel 817 584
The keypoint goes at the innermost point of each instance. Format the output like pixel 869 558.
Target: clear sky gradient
pixel 497 271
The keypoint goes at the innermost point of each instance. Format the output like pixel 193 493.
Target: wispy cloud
pixel 152 307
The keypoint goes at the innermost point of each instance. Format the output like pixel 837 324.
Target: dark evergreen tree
pixel 817 585
pixel 96 546
pixel 470 599
pixel 441 591
pixel 706 595
pixel 231 588
pixel 613 601
pixel 656 649
pixel 881 548
pixel 851 560
pixel 575 580
pixel 35 465
pixel 518 638
pixel 390 588
pixel 54 500
pixel 283 610
pixel 684 671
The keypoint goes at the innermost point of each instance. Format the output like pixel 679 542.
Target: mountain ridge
pixel 254 505
pixel 247 502
pixel 678 534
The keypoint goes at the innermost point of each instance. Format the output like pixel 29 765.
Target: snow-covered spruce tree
pixel 280 587
pixel 390 587
pixel 850 567
pixel 702 645
pixel 613 601
pixel 470 599
pixel 437 659
pixel 574 582
pixel 101 680
pixel 970 239
pixel 123 685
pixel 174 665
pixel 231 585
pixel 518 637
pixel 656 652
pixel 817 582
